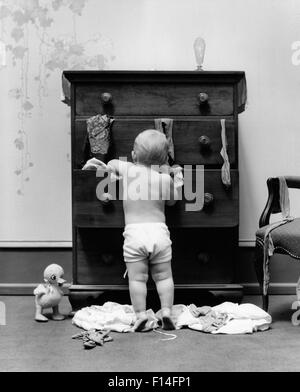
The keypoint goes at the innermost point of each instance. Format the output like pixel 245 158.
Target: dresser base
pixel 199 294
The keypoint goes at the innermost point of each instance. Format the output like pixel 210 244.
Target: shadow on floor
pixel 181 297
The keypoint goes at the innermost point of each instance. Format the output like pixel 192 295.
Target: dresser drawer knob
pixel 203 257
pixel 106 198
pixel 203 98
pixel 204 142
pixel 107 258
pixel 106 98
pixel 208 199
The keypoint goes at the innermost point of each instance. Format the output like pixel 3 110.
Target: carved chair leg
pixel 265 299
pixel 258 264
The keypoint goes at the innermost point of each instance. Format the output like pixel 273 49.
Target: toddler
pixel 147 243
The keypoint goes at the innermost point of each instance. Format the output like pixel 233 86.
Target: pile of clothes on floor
pixel 93 338
pixel 226 318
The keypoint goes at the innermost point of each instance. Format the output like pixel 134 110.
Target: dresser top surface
pixel 119 75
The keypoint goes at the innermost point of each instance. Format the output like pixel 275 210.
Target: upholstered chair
pixel 278 237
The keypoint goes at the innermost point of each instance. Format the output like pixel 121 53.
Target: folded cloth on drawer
pixel 98 129
pixel 175 171
pixel 165 125
pixel 227 318
pixel 100 166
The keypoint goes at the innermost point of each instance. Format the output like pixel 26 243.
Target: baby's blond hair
pixel 151 148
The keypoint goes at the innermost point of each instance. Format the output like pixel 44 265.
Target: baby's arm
pixel 118 167
pixel 172 192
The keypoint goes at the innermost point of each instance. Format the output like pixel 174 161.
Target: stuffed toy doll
pixel 49 294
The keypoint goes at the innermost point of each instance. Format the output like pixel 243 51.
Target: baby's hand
pixel 176 174
pixel 99 163
pixel 112 172
pixel 166 169
pixel 94 164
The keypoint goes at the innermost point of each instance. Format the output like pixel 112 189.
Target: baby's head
pixel 150 148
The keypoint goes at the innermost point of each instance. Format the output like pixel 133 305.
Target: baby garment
pixel 244 318
pixel 98 131
pixel 226 318
pixel 165 125
pixel 110 316
pixel 147 241
pixel 225 171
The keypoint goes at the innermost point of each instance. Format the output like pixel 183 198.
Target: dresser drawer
pixel 195 257
pixel 88 211
pixel 100 256
pixel 186 133
pixel 154 99
pixel 223 211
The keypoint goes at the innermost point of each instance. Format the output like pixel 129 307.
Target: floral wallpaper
pixel 27 29
pixel 41 38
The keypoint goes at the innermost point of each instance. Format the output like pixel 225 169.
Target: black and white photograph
pixel 150 189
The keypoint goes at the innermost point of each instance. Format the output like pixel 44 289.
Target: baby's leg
pixel 162 276
pixel 138 276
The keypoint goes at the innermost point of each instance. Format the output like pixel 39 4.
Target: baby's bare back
pixel 144 194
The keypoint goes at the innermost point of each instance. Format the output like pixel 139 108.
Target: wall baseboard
pixel 249 289
pixel 20 267
pixel 243 243
pixel 274 289
pixel 35 244
pixel 21 288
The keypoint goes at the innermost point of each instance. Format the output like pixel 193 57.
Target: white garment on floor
pixel 245 318
pixel 110 316
pixel 243 311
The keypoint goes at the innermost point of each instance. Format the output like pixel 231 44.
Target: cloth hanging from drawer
pixel 225 171
pixel 98 131
pixel 268 246
pixel 165 125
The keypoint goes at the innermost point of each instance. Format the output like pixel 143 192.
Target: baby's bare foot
pixel 166 319
pixel 167 323
pixel 140 324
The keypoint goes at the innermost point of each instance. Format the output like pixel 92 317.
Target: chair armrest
pixel 293 181
pixel 273 203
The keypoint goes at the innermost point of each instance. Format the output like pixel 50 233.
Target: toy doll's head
pixel 150 148
pixel 53 274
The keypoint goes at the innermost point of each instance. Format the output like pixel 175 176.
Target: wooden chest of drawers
pixel 204 242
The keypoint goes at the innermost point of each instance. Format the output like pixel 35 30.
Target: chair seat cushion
pixel 286 238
